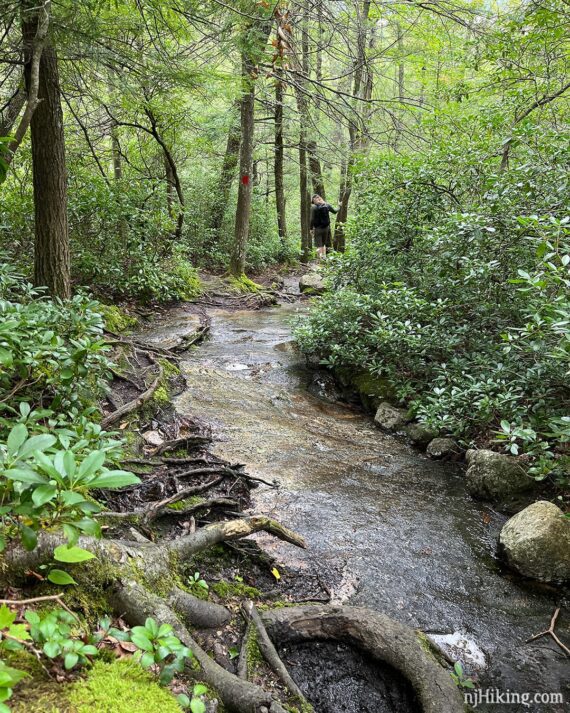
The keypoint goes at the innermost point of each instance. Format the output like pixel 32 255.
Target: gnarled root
pixel 379 636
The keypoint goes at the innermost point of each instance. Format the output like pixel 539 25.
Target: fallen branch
pixel 551 632
pixel 157 509
pixel 243 654
pixel 271 656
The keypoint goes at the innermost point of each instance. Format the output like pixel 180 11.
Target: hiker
pixel 321 224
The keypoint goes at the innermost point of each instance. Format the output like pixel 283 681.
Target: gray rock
pixel 390 418
pixel 495 476
pixel 153 438
pixel 442 448
pixel 536 542
pixel 313 283
pixel 419 434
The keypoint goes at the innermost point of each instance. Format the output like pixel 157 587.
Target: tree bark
pixel 315 168
pixel 51 251
pixel 227 175
pixel 339 241
pixel 303 110
pixel 280 203
pixel 247 110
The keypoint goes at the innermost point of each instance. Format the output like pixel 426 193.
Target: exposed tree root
pixel 136 403
pixel 382 638
pixel 271 656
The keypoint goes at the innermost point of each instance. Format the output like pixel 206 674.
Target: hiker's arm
pixel 334 210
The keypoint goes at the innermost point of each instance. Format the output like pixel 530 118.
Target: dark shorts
pixel 322 237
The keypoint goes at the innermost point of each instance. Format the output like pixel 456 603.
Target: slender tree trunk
pixel 12 111
pixel 303 110
pixel 227 175
pixel 241 234
pixel 278 164
pixel 354 131
pixel 170 189
pixel 116 152
pixel 51 250
pixel 316 171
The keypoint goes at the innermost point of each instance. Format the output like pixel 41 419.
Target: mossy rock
pixel 244 285
pixel 117 320
pixel 372 389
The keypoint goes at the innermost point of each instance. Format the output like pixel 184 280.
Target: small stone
pixel 442 448
pixel 419 434
pixel 312 283
pixel 495 476
pixel 536 542
pixel 153 438
pixel 390 418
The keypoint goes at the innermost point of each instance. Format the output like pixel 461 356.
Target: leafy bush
pixel 465 313
pixel 52 450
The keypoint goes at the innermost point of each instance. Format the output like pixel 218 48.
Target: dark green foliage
pixel 456 289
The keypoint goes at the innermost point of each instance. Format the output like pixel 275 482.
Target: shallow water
pixel 399 531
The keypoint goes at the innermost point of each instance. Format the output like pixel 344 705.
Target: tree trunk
pixel 278 164
pixel 241 234
pixel 227 175
pixel 339 241
pixel 316 171
pixel 303 109
pixel 51 251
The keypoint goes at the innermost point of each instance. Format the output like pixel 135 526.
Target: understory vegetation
pixel 455 287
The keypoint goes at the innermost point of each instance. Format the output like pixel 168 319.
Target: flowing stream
pixel 400 531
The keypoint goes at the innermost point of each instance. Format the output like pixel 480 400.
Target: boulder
pixel 390 418
pixel 495 476
pixel 441 448
pixel 419 434
pixel 536 542
pixel 312 283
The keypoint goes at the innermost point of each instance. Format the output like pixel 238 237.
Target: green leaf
pixel 114 479
pixel 58 576
pixel 6 357
pixel 89 526
pixel 63 553
pixel 51 649
pixel 7 617
pixel 16 437
pixel 183 700
pixel 197 706
pixel 29 537
pixel 141 641
pixel 43 494
pixel 199 689
pixel 36 443
pixel 92 463
pixel 25 475
pixel 70 660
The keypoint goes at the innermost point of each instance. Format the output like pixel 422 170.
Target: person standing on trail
pixel 321 224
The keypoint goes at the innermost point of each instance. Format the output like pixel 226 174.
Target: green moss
pixel 253 654
pixel 120 687
pixel 116 320
pixel 168 368
pixel 161 395
pixel 371 385
pixel 39 692
pixel 244 285
pixel 186 503
pixel 229 590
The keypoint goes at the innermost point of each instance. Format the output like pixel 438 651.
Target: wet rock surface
pixel 442 448
pixel 401 530
pixel 337 677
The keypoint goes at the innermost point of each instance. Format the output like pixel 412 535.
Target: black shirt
pixel 320 215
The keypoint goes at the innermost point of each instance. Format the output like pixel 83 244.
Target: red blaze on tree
pixel 245 179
